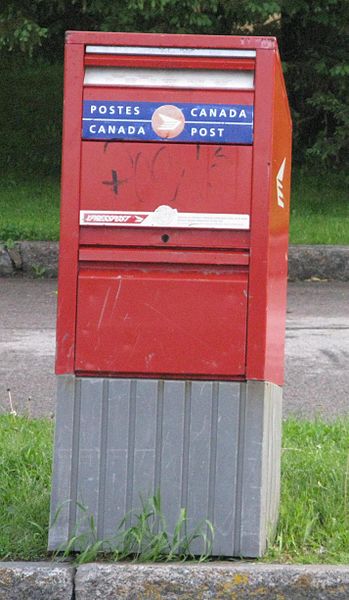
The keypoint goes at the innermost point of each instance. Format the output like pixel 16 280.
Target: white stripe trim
pixel 149 121
pixel 117 120
pixel 154 51
pixel 217 123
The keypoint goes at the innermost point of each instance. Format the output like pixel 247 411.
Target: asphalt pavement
pixel 317 347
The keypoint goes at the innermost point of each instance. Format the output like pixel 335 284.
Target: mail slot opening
pixel 175 78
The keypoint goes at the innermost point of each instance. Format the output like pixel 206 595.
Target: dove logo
pixel 168 121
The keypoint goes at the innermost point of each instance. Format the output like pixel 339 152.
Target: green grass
pixel 25 471
pixel 319 208
pixel 147 539
pixel 314 513
pixel 29 208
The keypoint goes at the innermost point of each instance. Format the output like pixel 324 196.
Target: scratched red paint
pixel 177 303
pixel 183 176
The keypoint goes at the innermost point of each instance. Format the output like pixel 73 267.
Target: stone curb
pixel 33 259
pixel 323 262
pixel 184 581
pixel 36 581
pixel 40 259
pixel 219 581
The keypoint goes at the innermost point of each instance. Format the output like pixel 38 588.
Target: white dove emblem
pixel 168 123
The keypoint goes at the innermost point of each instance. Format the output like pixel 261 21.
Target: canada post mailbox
pixel 172 283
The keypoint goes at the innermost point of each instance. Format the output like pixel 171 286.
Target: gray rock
pixel 15 256
pixel 36 581
pixel 6 267
pixel 218 581
pixel 323 262
pixel 39 258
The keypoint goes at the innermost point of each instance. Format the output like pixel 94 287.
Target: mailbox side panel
pixel 269 223
pixel 279 211
pixel 69 236
pixel 262 153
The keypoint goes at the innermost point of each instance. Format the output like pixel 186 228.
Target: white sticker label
pixel 164 216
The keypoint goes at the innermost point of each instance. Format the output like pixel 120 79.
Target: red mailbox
pixel 175 209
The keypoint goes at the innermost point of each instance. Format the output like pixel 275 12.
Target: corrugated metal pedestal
pixel 212 447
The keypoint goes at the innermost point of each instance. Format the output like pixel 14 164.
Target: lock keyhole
pixel 165 238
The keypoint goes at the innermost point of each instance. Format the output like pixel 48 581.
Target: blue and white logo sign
pixel 180 122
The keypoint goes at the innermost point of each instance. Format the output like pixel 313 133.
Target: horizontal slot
pixel 163 256
pixel 169 78
pixel 152 238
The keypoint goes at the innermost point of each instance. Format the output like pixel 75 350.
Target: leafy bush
pixel 31 119
pixel 313 37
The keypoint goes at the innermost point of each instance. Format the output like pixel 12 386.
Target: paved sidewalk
pixel 317 347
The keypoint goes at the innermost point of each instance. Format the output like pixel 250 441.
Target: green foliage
pixel 319 208
pixel 141 537
pixel 314 40
pixel 19 28
pixel 29 208
pixel 187 16
pixel 313 37
pixel 31 119
pixel 39 271
pixel 314 514
pixel 25 467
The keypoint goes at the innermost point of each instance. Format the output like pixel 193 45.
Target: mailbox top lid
pixel 171 40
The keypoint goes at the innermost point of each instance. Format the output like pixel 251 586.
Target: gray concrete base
pixel 211 447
